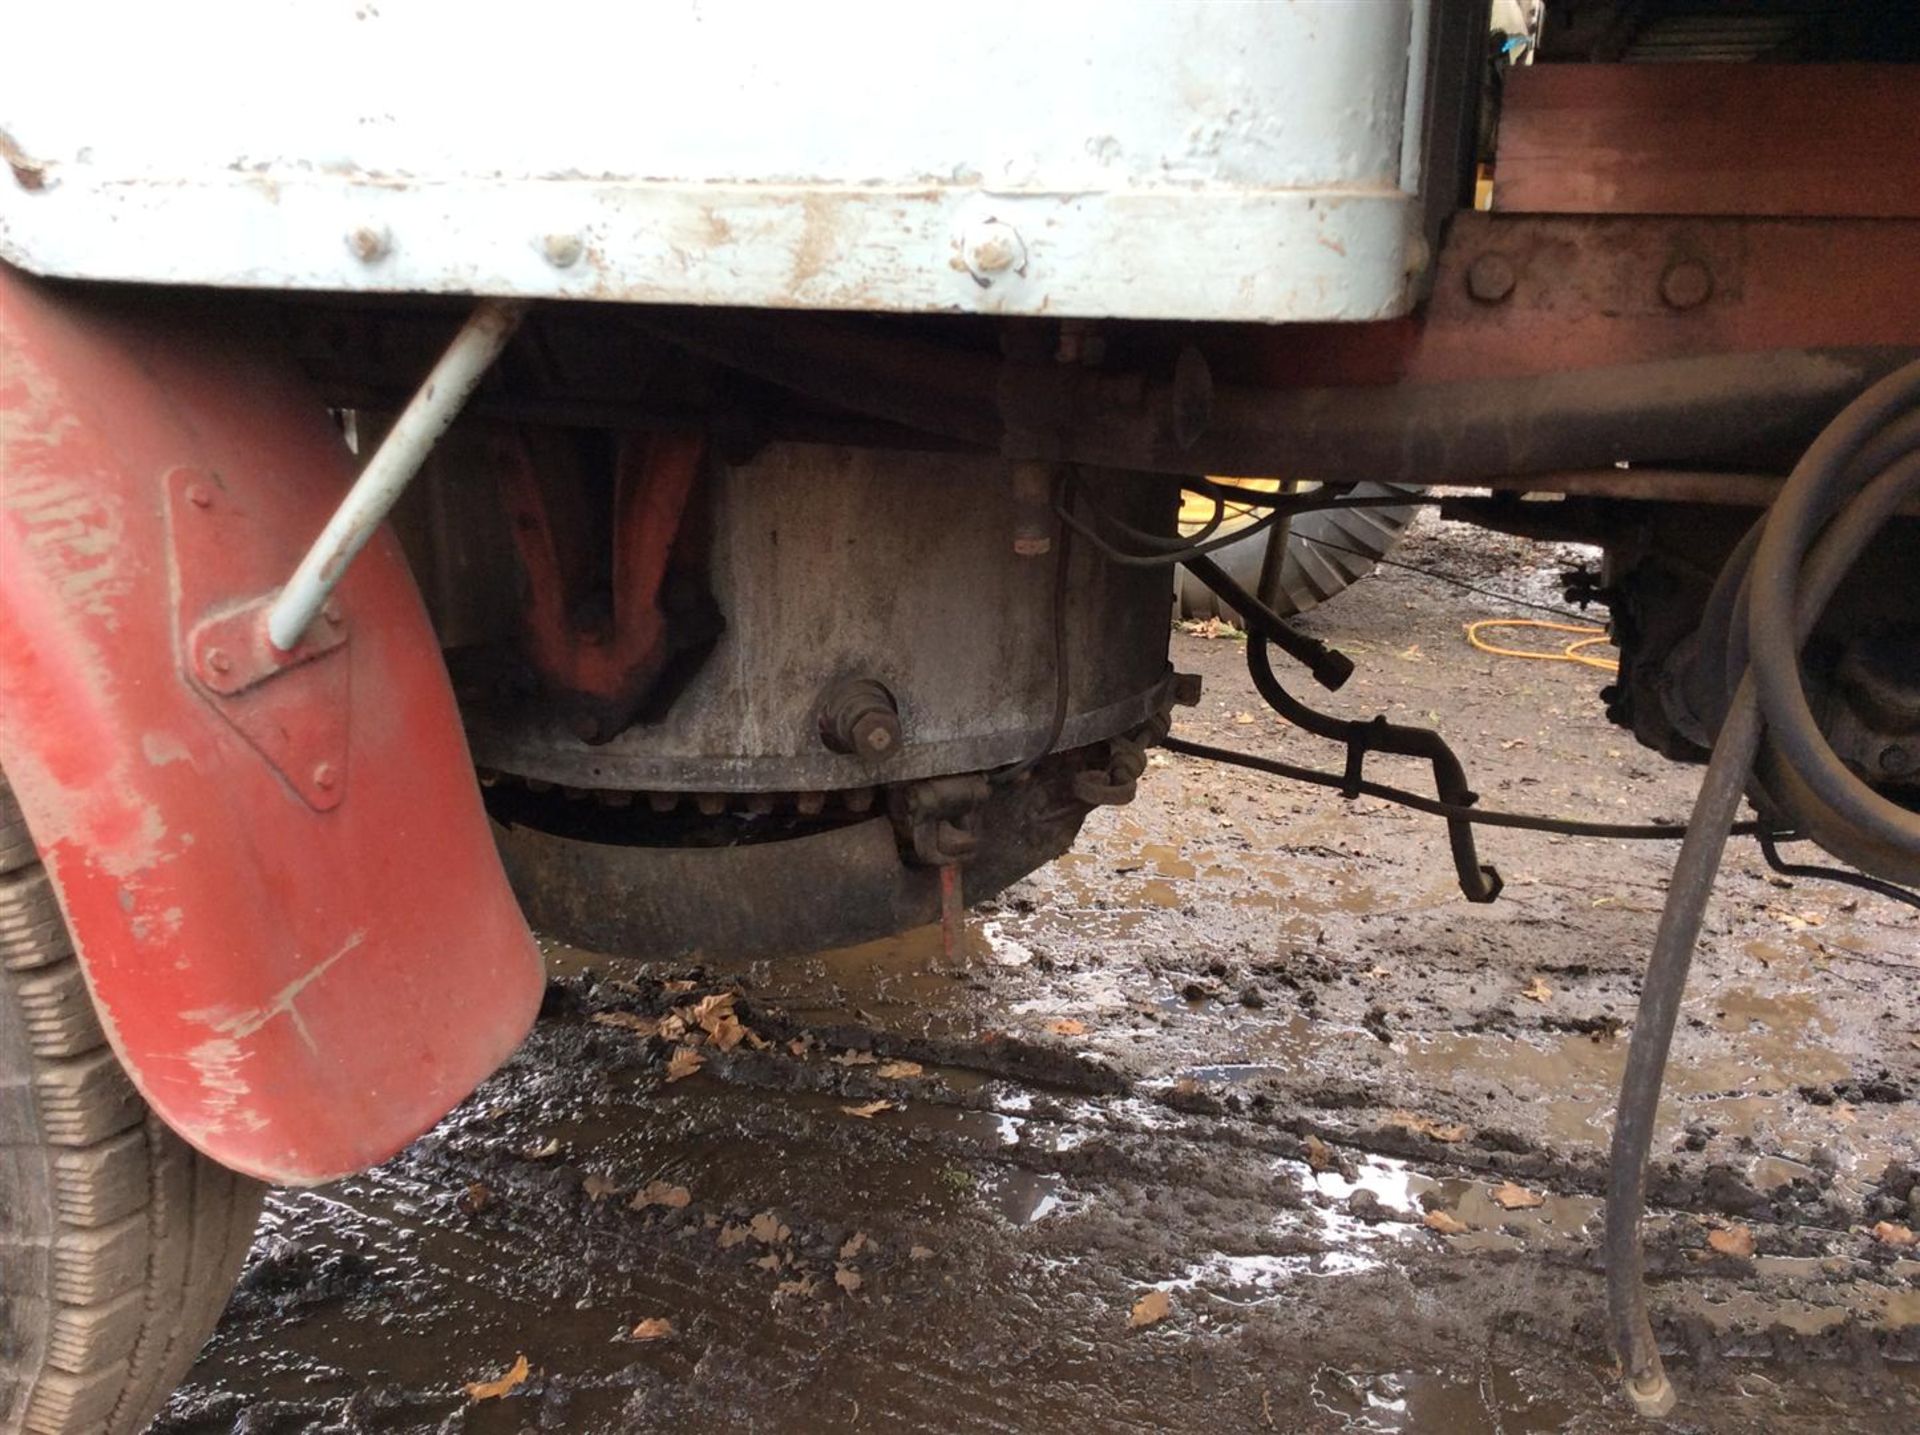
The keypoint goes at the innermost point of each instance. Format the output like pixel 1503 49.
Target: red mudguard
pixel 278 873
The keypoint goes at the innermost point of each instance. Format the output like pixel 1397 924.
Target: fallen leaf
pixel 1888 1233
pixel 1538 991
pixel 767 1230
pixel 1509 1197
pixel 679 984
pixel 728 1033
pixel 628 1021
pixel 1796 921
pixel 871 1109
pixel 1151 1307
pixel 733 1235
pixel 1511 743
pixel 850 1057
pixel 1844 1113
pixel 1186 1086
pixel 855 1244
pixel 654 1327
pixel 920 1253
pixel 1411 655
pixel 684 1062
pixel 847 1278
pixel 1319 1154
pixel 1732 1241
pixel 1067 1026
pixel 1446 1223
pixel 598 1187
pixel 898 1070
pixel 476 1199
pixel 799 1287
pixel 1243 719
pixel 771 1262
pixel 494 1389
pixel 672 1026
pixel 1448 1132
pixel 754 1039
pixel 545 1151
pixel 800 1046
pixel 709 1011
pixel 661 1193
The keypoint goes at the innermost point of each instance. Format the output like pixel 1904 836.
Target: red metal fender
pixel 278 874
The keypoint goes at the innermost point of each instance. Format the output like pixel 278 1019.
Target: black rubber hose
pixel 1851 481
pixel 1330 667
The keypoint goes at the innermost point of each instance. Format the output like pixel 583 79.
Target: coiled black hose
pixel 1851 481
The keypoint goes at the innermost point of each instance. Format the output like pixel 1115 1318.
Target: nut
pixel 563 251
pixel 370 242
pixel 1686 284
pixel 1491 278
pixel 992 247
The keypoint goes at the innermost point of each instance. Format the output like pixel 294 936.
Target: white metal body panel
pixel 1207 159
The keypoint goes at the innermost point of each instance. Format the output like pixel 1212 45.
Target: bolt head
pixel 991 247
pixel 326 776
pixel 876 734
pixel 332 614
pixel 1686 284
pixel 563 251
pixel 218 661
pixel 199 495
pixel 1491 278
pixel 369 242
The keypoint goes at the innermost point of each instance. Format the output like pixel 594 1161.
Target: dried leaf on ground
pixel 767 1230
pixel 847 1278
pixel 654 1327
pixel 851 1057
pixel 1319 1154
pixel 476 1199
pixel 800 1045
pixel 920 1253
pixel 799 1288
pixel 661 1193
pixel 543 1151
pixel 1509 1197
pixel 627 1021
pixel 1732 1241
pixel 494 1389
pixel 868 1110
pixel 1151 1307
pixel 1844 1113
pixel 709 1011
pixel 728 1033
pixel 679 984
pixel 853 1245
pixel 1243 719
pixel 1891 1233
pixel 770 1262
pixel 1446 1131
pixel 1446 1223
pixel 1537 991
pixel 732 1234
pixel 1186 1086
pixel 599 1187
pixel 683 1063
pixel 1067 1026
pixel 898 1070
pixel 1796 921
pixel 673 1026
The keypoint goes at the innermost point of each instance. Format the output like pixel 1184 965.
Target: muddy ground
pixel 1233 1050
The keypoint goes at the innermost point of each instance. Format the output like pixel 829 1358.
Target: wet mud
pixel 1245 1055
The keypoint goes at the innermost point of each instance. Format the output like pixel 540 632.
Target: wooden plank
pixel 1776 140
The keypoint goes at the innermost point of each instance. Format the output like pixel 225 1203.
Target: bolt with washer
pixel 990 248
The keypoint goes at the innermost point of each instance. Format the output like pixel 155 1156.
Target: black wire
pixel 1448 578
pixel 1486 817
pixel 1184 549
pixel 1891 891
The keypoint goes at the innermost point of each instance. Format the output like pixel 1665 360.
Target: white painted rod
pixel 426 417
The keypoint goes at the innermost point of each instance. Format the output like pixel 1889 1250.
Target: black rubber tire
pixel 1351 542
pixel 119 1243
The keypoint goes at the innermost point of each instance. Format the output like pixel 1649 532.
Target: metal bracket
pixel 291 707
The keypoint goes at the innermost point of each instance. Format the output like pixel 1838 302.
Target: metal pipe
pixel 426 417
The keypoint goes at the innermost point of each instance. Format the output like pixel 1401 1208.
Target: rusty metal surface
pixel 297 987
pixel 1519 295
pixel 834 564
pixel 1817 140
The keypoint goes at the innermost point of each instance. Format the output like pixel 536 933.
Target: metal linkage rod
pixel 426 417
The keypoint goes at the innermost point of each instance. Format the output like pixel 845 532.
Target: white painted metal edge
pixel 1321 253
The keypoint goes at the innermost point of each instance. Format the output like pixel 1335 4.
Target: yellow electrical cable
pixel 1570 654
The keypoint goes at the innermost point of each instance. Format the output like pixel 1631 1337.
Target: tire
pixel 119 1244
pixel 1330 549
